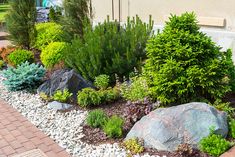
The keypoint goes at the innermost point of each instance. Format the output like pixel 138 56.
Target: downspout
pixel 112 10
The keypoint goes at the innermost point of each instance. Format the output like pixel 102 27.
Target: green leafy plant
pixel 184 64
pixel 45 97
pixel 96 118
pixel 47 33
pixel 232 127
pixel 62 96
pixel 137 89
pixel 25 76
pixel 1 64
pixel 214 144
pixel 20 56
pixel 102 81
pixel 133 145
pixel 20 22
pixel 109 94
pixel 113 127
pixel 52 54
pixel 110 48
pixel 88 97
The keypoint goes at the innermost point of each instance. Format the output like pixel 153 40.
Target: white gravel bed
pixel 64 128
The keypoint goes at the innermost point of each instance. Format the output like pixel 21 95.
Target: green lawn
pixel 3 11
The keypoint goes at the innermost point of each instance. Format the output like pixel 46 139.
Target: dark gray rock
pixel 64 79
pixel 166 128
pixel 58 106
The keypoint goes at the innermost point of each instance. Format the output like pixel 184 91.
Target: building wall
pixel 159 9
pixel 217 17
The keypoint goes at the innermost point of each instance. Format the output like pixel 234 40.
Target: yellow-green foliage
pixel 1 64
pixel 45 96
pixel 109 94
pixel 102 81
pixel 47 33
pixel 88 97
pixel 62 96
pixel 133 145
pixel 20 56
pixel 52 54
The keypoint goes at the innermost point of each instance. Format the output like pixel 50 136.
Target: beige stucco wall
pixel 159 9
pixel 211 11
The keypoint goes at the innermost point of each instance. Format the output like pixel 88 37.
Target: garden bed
pixel 64 128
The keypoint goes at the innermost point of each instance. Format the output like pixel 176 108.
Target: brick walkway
pixel 230 153
pixel 18 135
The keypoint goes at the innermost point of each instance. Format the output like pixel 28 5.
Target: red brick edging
pixel 18 135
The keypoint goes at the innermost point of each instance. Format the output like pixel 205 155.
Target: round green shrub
pixel 214 145
pixel 109 95
pixel 96 118
pixel 47 33
pixel 20 56
pixel 88 97
pixel 52 54
pixel 185 65
pixel 113 127
pixel 102 81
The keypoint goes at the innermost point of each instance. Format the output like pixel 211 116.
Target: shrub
pixel 4 53
pixel 96 118
pixel 137 90
pixel 184 64
pixel 102 81
pixel 133 145
pixel 55 14
pixel 214 144
pixel 47 33
pixel 52 54
pixel 109 94
pixel 23 77
pixel 88 97
pixel 76 14
pixel 62 96
pixel 1 64
pixel 232 127
pixel 20 56
pixel 109 49
pixel 113 127
pixel 45 97
pixel 20 22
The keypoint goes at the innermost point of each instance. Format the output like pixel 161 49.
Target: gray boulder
pixel 64 79
pixel 58 106
pixel 166 128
